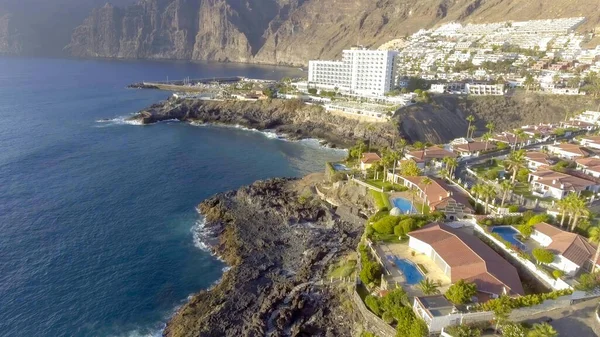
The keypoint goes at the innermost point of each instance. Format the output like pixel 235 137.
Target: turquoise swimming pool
pixel 509 234
pixel 404 205
pixel 409 270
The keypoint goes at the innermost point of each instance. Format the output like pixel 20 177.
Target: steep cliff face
pixel 286 31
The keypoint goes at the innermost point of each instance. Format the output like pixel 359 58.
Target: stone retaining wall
pixel 371 322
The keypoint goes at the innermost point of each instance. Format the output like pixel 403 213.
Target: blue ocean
pixel 98 227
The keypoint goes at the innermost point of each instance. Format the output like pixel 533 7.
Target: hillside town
pixel 546 56
pixel 479 235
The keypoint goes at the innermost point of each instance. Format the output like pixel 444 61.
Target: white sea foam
pixel 201 234
pixel 124 120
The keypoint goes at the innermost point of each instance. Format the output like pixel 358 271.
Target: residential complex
pixel 361 72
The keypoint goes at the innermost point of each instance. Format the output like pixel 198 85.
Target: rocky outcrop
pixel 286 31
pixel 289 117
pixel 438 122
pixel 444 118
pixel 278 239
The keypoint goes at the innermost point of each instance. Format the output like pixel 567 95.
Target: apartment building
pixel 360 72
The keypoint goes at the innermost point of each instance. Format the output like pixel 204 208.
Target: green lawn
pixel 523 189
pixel 344 269
pixel 384 184
pixel 381 199
pixel 419 206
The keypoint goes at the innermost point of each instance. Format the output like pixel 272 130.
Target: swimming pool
pixel 340 167
pixel 508 233
pixel 404 205
pixel 409 270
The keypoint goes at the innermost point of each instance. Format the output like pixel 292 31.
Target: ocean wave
pixel 201 235
pixel 124 120
pixel 271 134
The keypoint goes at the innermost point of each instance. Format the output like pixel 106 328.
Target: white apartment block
pixel 360 72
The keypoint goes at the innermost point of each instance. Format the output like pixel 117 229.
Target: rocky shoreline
pixel 279 239
pixel 291 118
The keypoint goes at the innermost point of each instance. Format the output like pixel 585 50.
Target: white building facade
pixel 360 72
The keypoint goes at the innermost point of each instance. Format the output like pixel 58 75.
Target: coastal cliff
pixel 292 118
pixel 286 31
pixel 279 239
pixel 437 122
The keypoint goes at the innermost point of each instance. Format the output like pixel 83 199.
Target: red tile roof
pixel 430 153
pixel 440 196
pixel 538 157
pixel 573 247
pixel 370 157
pixel 475 147
pixel 470 259
pixel 588 162
pixel 562 181
pixel 572 148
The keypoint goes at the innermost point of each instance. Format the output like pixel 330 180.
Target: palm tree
pixel 426 182
pixel 505 187
pixel 394 156
pixel 429 287
pixel 578 209
pixel 594 237
pixel 542 330
pixel 469 119
pixel 472 129
pixel 529 82
pixel 563 206
pixel 486 138
pixel 402 143
pixel 515 161
pixel 370 128
pixel 519 135
pixel 490 126
pixel 487 192
pixel 450 163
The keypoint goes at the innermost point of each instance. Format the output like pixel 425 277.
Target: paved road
pixel 578 320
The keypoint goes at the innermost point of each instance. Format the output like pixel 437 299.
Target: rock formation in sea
pixel 279 239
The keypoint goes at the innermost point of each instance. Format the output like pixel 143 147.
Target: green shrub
pixel 543 255
pixel 372 303
pixel 369 230
pixel 387 317
pixel 382 213
pixel 558 273
pixel 513 208
pixel 525 230
pixel 386 224
pixel 588 282
pixel 536 219
pixel 489 222
pixel 504 302
pixel 408 224
pixel 399 231
pixel 461 292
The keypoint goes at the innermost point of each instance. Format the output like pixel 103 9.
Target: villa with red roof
pixel 548 183
pixel 572 251
pixel 590 141
pixel 438 195
pixel 590 166
pixel 463 256
pixel 368 159
pixel 473 149
pixel 569 151
pixel 536 159
pixel 428 155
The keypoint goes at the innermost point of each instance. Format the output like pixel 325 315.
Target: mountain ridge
pixel 288 32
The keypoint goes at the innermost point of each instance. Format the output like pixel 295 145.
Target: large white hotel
pixel 361 72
